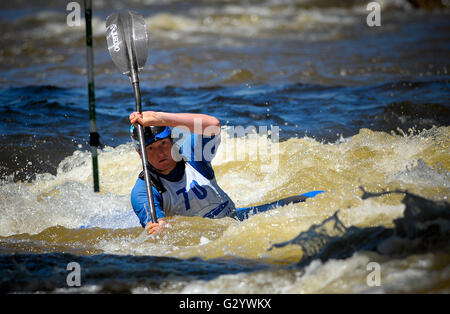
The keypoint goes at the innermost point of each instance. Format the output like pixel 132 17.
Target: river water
pixel 355 108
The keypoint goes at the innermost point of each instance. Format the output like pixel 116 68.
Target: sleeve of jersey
pixel 140 203
pixel 197 147
pixel 199 151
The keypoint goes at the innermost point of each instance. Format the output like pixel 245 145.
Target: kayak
pixel 241 213
pixel 245 212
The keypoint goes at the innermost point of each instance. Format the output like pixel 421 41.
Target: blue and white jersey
pixel 190 189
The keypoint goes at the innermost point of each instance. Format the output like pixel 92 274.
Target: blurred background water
pixel 356 106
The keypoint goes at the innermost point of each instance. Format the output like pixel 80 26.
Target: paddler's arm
pixel 195 122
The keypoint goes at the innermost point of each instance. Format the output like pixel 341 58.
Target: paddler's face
pixel 160 155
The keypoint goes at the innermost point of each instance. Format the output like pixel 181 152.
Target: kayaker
pixel 183 180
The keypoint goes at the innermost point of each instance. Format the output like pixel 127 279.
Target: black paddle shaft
pixel 148 184
pixel 134 77
pixel 140 128
pixel 128 46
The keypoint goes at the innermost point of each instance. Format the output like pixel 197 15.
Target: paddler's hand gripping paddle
pixel 126 35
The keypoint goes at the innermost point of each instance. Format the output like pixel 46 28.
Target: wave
pixel 407 115
pixel 111 273
pixel 44 216
pixel 43 124
pixel 235 18
pixel 424 227
pixel 66 198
